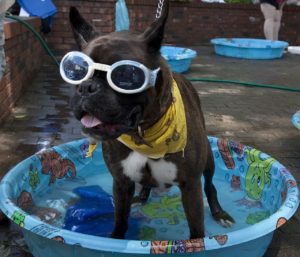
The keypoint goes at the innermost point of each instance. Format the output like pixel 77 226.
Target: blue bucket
pixel 39 8
pixel 178 58
pixel 257 190
pixel 248 48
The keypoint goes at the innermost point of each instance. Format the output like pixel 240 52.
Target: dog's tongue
pixel 90 121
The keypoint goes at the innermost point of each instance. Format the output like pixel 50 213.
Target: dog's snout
pixel 87 88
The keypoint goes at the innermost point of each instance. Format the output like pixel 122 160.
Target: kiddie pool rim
pixel 228 42
pixel 144 247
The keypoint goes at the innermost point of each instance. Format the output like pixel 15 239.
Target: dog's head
pixel 104 112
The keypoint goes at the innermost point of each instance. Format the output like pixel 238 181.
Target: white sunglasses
pixel 126 76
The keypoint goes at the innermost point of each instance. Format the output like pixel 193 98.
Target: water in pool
pixel 161 218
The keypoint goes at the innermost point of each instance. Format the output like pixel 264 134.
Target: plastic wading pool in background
pixel 249 48
pixel 296 119
pixel 253 187
pixel 178 58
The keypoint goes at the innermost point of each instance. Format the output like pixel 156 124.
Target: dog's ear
pixel 83 31
pixel 154 34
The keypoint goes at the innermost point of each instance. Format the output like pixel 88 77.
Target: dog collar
pixel 168 135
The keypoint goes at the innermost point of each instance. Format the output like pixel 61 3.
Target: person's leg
pixel 277 23
pixel 2 68
pixel 269 12
pixel 2 41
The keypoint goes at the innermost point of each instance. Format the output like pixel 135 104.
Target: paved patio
pixel 253 116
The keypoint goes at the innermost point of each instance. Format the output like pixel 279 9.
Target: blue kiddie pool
pixel 61 198
pixel 178 58
pixel 248 48
pixel 296 119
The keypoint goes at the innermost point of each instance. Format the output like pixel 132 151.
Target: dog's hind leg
pixel 192 201
pixel 217 212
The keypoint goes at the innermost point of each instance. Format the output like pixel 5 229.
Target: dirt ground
pixel 253 116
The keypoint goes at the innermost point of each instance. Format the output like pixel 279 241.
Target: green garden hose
pixel 241 83
pixel 246 84
pixel 36 34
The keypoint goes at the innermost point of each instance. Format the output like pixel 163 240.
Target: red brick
pixel 23 57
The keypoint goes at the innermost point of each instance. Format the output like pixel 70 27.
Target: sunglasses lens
pixel 128 77
pixel 75 67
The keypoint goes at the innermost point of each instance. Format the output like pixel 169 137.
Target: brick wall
pixel 23 59
pixel 189 24
pixel 197 23
pixel 100 13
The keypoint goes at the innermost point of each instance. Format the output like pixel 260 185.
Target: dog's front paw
pixel 224 219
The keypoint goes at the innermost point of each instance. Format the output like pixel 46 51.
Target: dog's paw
pixel 138 201
pixel 142 198
pixel 224 219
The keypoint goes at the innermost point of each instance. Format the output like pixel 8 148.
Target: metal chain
pixel 159 8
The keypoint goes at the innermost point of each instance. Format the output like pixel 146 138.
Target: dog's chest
pixel 136 165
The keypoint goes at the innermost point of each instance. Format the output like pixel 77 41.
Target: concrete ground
pixel 253 116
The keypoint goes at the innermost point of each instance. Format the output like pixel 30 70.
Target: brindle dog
pixel 131 113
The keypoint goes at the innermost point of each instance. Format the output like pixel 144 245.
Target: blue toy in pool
pixel 83 216
pixel 249 48
pixel 93 213
pixel 259 192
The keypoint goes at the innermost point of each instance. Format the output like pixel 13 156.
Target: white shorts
pixel 2 41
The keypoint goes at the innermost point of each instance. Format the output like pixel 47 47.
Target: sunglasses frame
pixel 150 75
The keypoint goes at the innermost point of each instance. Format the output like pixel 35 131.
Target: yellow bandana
pixel 168 135
pixel 92 148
